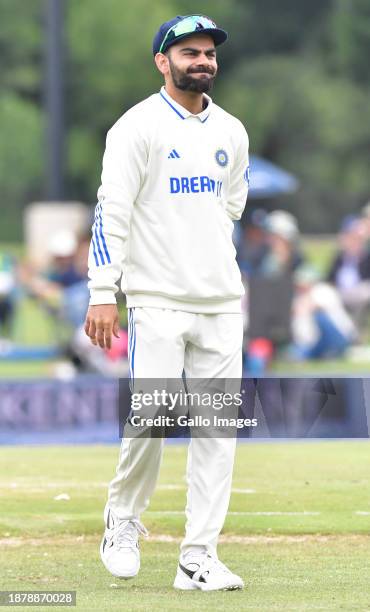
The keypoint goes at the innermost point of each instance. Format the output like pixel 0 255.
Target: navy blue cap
pixel 219 36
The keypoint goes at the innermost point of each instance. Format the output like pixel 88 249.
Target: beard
pixel 186 82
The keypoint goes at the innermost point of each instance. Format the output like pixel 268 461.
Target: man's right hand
pixel 101 321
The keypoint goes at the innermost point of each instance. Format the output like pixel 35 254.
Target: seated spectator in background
pixel 254 244
pixel 283 254
pixel 269 291
pixel 75 294
pixel 62 290
pixel 7 293
pixel 63 270
pixel 365 224
pixel 321 327
pixel 350 270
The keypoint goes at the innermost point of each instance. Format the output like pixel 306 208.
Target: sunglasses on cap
pixel 188 25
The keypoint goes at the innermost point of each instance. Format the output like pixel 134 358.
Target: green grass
pixel 319 367
pixel 319 252
pixel 306 561
pixel 327 575
pixel 34 325
pixel 332 367
pixel 25 369
pixel 16 249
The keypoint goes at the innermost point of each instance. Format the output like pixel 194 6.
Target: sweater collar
pixel 182 112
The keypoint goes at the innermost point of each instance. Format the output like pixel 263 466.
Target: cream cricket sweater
pixel 172 185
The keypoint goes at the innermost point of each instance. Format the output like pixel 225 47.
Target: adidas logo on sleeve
pixel 174 155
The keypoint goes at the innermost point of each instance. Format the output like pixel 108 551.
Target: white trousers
pixel 163 342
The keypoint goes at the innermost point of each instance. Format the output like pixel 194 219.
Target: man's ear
pixel 161 61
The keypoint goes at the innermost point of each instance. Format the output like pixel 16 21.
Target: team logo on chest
pixel 222 158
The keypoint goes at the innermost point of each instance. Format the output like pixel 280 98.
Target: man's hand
pixel 101 321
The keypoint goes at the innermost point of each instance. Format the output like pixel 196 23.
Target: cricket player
pixel 175 177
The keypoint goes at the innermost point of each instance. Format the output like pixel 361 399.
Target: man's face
pixel 353 240
pixel 192 63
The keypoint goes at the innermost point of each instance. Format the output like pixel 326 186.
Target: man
pixel 175 176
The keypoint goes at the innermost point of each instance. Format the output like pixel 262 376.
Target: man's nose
pixel 204 60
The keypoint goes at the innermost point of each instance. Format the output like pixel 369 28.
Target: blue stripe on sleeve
pixel 98 245
pixel 95 232
pixel 94 251
pixel 102 235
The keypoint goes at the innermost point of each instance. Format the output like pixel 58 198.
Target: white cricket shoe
pixel 119 549
pixel 200 570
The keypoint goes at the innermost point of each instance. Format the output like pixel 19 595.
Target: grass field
pixel 298 530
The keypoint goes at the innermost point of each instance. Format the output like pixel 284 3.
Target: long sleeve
pixel 124 164
pixel 239 178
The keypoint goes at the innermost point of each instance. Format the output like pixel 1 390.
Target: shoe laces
pixel 127 532
pixel 207 563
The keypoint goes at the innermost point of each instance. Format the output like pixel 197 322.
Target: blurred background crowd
pixel 298 306
pixel 295 73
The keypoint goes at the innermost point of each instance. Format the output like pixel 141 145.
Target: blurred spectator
pixel 7 293
pixel 62 290
pixel 254 245
pixel 48 285
pixel 321 327
pixel 269 290
pixel 63 250
pixel 350 270
pixel 283 254
pixel 258 356
pixel 75 295
pixel 365 223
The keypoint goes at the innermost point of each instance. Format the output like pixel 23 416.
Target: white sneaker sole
pixel 125 576
pixel 184 583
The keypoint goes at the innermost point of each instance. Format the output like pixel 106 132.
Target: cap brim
pixel 219 36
